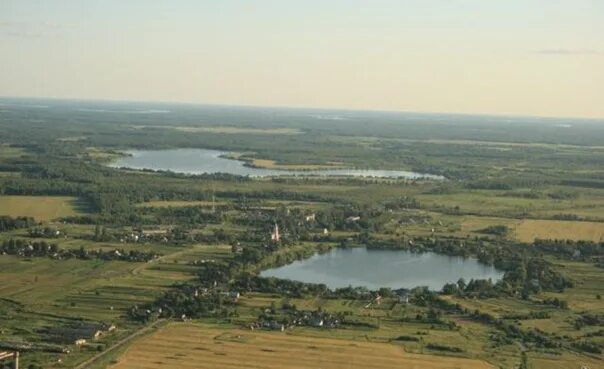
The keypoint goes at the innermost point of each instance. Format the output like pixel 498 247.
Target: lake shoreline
pixel 318 275
pixel 206 161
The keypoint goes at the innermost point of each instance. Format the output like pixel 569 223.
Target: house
pixel 233 295
pixel 80 342
pixel 9 355
pixel 236 248
pixel 310 217
pixel 316 322
pixel 276 326
pixel 353 219
pixel 325 231
pixel 403 296
pixel 77 331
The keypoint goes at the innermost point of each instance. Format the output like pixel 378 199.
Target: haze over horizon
pixel 535 58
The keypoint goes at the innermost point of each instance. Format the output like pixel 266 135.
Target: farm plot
pixel 197 346
pixel 529 229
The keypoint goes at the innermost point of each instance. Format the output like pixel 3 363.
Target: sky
pixel 521 57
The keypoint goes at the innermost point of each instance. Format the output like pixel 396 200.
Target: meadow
pixel 41 208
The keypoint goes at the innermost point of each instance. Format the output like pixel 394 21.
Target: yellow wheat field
pixel 529 229
pixel 187 345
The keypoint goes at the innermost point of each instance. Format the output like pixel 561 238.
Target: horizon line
pixel 305 107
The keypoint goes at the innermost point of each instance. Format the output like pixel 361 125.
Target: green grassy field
pixel 41 208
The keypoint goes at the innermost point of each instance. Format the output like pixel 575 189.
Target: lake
pixel 362 267
pixel 200 161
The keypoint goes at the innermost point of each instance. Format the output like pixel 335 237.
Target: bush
pixel 407 338
pixel 439 347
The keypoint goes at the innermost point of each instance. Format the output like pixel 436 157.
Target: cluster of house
pixel 80 333
pixel 144 236
pixel 300 318
pixel 233 295
pixel 45 232
pixel 308 218
pixel 201 261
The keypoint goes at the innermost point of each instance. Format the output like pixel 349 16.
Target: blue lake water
pixel 200 161
pixel 362 267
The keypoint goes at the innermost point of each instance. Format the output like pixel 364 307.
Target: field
pixel 9 152
pixel 229 130
pixel 177 204
pixel 184 345
pixel 529 229
pixel 271 164
pixel 41 208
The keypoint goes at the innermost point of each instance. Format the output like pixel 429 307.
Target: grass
pixel 42 208
pixel 46 282
pixel 590 204
pixel 89 288
pixel 177 204
pixel 272 164
pixel 589 282
pixel 181 345
pixel 10 152
pixel 564 361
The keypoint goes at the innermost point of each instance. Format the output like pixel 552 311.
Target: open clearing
pixel 529 229
pixel 9 152
pixel 187 345
pixel 41 208
pixel 271 164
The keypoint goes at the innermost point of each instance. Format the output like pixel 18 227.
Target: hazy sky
pixel 472 56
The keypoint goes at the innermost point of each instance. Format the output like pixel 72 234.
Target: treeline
pixel 580 250
pixel 9 223
pixel 525 271
pixel 24 248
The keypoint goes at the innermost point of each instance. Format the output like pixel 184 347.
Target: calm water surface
pixel 200 161
pixel 383 268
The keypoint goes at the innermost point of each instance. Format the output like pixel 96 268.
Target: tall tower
pixel 275 235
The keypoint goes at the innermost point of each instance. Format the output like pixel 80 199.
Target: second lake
pixel 200 161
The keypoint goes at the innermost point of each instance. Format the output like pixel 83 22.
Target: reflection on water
pixel 383 268
pixel 199 161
